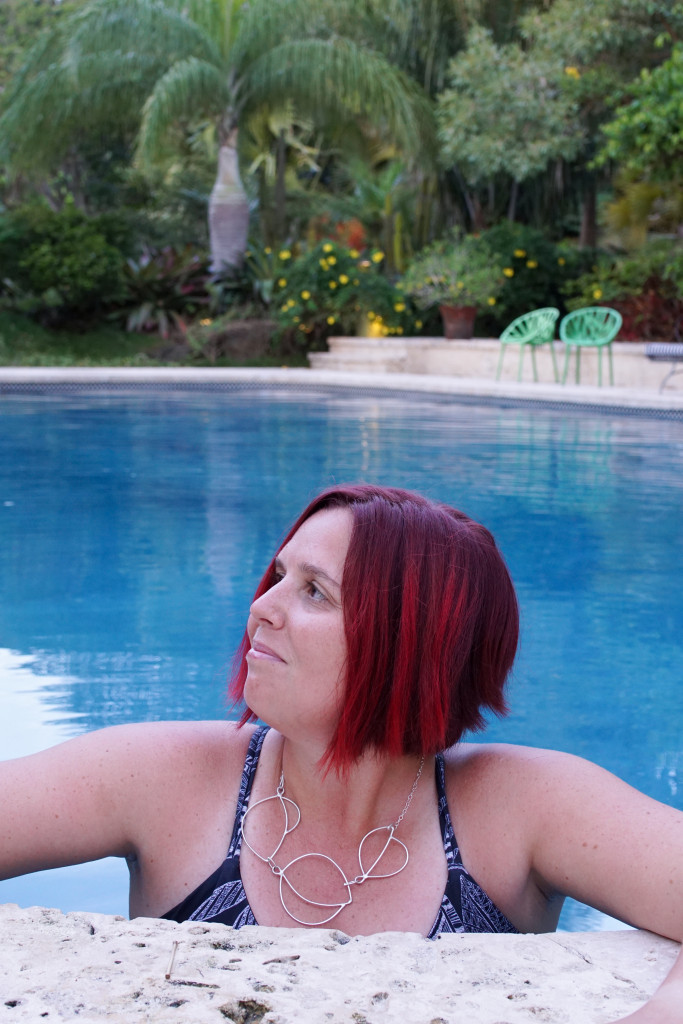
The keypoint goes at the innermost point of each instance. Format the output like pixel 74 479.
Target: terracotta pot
pixel 458 321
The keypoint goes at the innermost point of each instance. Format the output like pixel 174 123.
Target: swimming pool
pixel 135 525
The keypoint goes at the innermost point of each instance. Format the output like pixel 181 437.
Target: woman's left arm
pixel 597 839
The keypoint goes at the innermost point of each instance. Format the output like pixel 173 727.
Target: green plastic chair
pixel 592 327
pixel 531 329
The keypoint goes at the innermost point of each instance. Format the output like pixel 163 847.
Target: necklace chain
pixel 286 886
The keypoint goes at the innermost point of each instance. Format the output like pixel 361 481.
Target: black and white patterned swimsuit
pixel 221 899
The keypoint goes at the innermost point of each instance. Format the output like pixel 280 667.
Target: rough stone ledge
pixel 92 968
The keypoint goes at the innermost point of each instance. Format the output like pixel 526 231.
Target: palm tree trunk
pixel 228 211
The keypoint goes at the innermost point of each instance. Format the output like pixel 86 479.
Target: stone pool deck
pixel 92 968
pixel 545 393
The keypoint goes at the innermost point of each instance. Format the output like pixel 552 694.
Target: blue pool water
pixel 134 526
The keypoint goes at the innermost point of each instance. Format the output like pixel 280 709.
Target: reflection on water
pixel 134 528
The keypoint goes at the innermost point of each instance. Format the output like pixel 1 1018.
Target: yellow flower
pixel 561 260
pixel 377 257
pixel 461 284
pixel 572 72
pixel 331 260
pixel 205 323
pixel 520 253
pixel 282 281
pixel 399 330
pixel 323 264
pixel 508 271
pixel 283 309
pixel 491 301
pixel 343 279
pixel 297 319
pixel 267 250
pixel 399 306
pixel 327 247
pixel 354 254
pixel 305 295
pixel 371 315
pixel 331 319
pixel 333 285
pixel 285 254
pixel 418 323
pixel 597 293
pixel 356 281
pixel 532 264
pixel 291 303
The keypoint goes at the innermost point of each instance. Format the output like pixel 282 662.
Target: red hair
pixel 430 619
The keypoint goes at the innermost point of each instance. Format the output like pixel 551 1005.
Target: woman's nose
pixel 268 607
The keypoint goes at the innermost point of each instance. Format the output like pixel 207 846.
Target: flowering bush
pixel 535 269
pixel 646 287
pixel 455 272
pixel 334 289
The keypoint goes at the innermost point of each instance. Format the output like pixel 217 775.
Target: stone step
pixel 478 358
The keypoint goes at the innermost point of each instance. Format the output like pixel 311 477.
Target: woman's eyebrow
pixel 308 569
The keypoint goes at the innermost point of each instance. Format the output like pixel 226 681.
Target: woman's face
pixel 298 650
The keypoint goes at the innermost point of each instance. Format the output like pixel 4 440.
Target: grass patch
pixel 25 343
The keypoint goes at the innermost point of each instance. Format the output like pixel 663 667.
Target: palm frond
pixel 155 26
pixel 55 107
pixel 336 78
pixel 96 70
pixel 191 88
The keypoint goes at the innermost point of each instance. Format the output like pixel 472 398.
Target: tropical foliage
pixel 165 65
pixel 548 128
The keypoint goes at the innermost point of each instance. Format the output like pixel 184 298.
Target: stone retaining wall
pixel 92 968
pixel 478 358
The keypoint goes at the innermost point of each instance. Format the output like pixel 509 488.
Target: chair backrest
pixel 532 328
pixel 594 325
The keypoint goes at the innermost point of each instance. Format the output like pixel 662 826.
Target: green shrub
pixel 455 272
pixel 61 265
pixel 534 268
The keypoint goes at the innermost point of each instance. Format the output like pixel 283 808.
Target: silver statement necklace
pixel 365 873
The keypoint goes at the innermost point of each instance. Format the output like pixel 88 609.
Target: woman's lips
pixel 262 652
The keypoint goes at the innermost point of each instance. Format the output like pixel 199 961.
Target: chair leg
pixel 552 355
pixel 599 367
pixel 566 364
pixel 500 361
pixel 578 364
pixel 521 362
pixel 533 362
pixel 611 367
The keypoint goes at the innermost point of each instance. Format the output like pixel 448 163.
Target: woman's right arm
pixel 107 793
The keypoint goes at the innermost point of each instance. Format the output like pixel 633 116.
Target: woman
pixel 379 633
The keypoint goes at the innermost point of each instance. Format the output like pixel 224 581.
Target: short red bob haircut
pixel 431 624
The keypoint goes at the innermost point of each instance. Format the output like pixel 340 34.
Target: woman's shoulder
pixel 200 747
pixel 514 773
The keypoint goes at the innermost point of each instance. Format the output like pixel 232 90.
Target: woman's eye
pixel 315 591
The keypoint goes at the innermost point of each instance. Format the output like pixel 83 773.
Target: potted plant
pixel 461 276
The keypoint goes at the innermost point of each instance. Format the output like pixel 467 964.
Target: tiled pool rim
pixel 612 400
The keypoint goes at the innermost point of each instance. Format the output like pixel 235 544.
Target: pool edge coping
pixel 613 398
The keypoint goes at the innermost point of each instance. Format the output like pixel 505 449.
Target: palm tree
pixel 165 63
